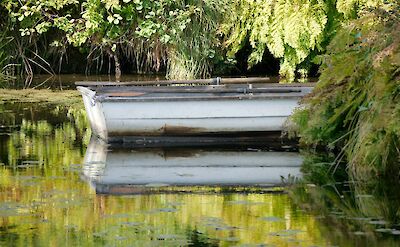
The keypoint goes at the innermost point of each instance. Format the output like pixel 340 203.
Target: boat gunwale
pixel 172 87
pixel 209 81
pixel 206 89
pixel 194 93
pixel 104 98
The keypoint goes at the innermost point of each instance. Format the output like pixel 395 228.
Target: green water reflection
pixel 67 81
pixel 44 200
pixel 367 212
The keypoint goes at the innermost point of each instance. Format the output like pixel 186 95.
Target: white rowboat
pixel 117 112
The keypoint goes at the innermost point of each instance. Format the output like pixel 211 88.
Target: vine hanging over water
pixel 290 30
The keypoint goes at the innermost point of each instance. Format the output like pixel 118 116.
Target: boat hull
pixel 195 117
pixel 113 118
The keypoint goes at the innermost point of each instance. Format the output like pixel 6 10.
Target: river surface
pixel 68 81
pixel 60 187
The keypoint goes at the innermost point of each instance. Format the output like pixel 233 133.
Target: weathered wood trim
pixel 126 90
pixel 105 98
pixel 189 83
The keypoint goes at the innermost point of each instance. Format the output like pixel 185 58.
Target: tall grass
pixel 196 50
pixel 7 71
pixel 21 57
pixel 356 105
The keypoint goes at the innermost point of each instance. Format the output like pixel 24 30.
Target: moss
pixel 65 97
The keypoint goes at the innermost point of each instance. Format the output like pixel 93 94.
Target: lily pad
pixel 29 177
pixel 225 228
pixel 255 245
pixel 377 222
pixel 99 234
pixel 230 239
pixel 9 213
pixel 8 209
pixel 32 162
pixel 29 183
pixel 383 230
pixel 175 204
pixel 245 203
pixel 284 233
pixel 271 219
pixel 160 210
pixel 71 227
pixel 120 238
pixel 131 224
pixel 117 216
pixel 168 210
pixel 170 236
pixel 29 163
pixel 211 219
pixel 395 232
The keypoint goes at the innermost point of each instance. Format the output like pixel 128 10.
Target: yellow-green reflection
pixel 45 202
pixel 50 210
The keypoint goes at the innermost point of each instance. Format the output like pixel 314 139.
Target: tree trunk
pixel 117 64
pixel 117 68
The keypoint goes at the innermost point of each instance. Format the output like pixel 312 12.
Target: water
pixel 59 187
pixel 68 81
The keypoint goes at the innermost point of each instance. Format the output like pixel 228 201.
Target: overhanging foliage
pixel 356 105
pixel 186 37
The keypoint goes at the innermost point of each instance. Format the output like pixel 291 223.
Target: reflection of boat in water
pixel 132 171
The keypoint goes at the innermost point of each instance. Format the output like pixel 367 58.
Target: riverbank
pixel 355 107
pixel 59 97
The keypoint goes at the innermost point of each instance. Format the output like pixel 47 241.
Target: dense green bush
pixel 356 104
pixel 151 33
pixel 187 38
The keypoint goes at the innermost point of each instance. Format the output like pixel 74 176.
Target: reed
pixel 346 204
pixel 6 70
pixel 195 51
pixel 355 106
